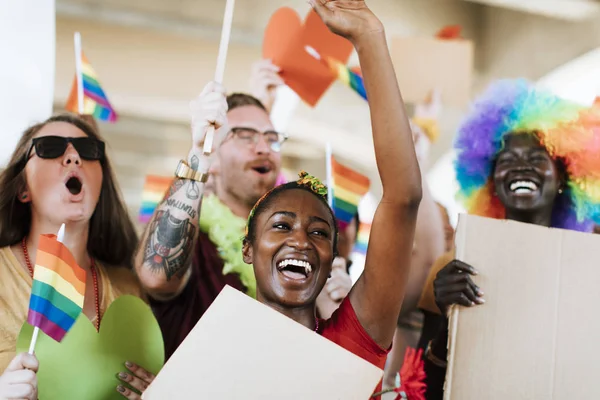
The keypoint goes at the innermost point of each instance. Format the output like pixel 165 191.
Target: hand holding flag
pixel 19 380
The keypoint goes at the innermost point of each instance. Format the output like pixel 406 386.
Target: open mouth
pixel 295 269
pixel 263 169
pixel 74 185
pixel 523 186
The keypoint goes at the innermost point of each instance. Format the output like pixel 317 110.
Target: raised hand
pixel 335 290
pixel 264 81
pixel 208 109
pixel 136 381
pixel 19 380
pixel 348 18
pixel 453 285
pixel 339 284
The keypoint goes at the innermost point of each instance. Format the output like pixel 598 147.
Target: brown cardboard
pixel 242 349
pixel 535 337
pixel 426 64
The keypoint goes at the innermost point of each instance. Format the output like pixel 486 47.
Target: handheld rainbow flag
pixel 347 187
pixel 154 191
pixel 91 100
pixel 347 75
pixel 58 289
pixel 362 239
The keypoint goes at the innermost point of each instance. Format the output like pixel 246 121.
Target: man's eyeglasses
pixel 50 147
pixel 251 136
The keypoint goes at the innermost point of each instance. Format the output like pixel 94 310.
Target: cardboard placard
pixel 535 337
pixel 86 363
pixel 426 64
pixel 242 349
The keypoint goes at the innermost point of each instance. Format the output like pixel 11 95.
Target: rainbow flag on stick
pixel 351 77
pixel 347 187
pixel 91 100
pixel 154 192
pixel 58 289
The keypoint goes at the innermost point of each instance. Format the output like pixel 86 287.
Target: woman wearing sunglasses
pixel 59 173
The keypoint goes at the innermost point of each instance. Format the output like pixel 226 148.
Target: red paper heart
pixel 285 44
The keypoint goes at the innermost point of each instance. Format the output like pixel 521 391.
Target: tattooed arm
pixel 164 255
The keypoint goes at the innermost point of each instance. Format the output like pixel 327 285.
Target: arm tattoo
pixel 174 188
pixel 182 206
pixel 193 192
pixel 168 248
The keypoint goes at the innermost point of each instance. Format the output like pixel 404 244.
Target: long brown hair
pixel 112 239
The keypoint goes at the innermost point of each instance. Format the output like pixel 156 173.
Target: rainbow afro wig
pixel 569 132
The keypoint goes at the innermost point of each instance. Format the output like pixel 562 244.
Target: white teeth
pixel 298 263
pixel 522 190
pixel 523 186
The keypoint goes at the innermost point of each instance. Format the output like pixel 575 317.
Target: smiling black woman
pixel 291 238
pixel 524 155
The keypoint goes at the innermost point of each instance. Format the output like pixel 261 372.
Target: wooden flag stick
pixel 328 155
pixel 78 72
pixel 222 57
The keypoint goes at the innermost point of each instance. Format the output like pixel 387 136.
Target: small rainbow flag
pixel 95 101
pixel 351 77
pixel 362 240
pixel 348 188
pixel 154 192
pixel 58 289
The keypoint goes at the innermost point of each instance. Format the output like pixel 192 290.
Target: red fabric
pixel 179 316
pixel 412 375
pixel 344 329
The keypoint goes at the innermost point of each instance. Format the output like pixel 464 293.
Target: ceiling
pixel 574 10
pixel 345 119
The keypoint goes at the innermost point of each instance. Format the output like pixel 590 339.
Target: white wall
pixel 27 43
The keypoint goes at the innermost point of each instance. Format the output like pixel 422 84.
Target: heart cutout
pixel 84 365
pixel 285 41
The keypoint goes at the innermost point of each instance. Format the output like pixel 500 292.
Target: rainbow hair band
pixel 569 132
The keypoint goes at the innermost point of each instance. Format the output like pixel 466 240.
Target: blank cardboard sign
pixel 426 64
pixel 242 349
pixel 536 335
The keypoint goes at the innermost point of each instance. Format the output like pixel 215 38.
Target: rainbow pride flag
pixel 362 240
pixel 154 192
pixel 95 101
pixel 58 289
pixel 351 77
pixel 348 188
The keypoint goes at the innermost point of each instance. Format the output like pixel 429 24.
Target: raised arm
pixel 377 296
pixel 164 255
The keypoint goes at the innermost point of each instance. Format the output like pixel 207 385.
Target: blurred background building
pixel 153 56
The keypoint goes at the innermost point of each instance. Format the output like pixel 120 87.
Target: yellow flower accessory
pixel 313 183
pixel 305 179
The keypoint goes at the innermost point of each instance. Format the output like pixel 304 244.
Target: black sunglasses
pixel 55 146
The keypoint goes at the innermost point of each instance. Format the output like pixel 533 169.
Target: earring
pixel 560 191
pixel 24 196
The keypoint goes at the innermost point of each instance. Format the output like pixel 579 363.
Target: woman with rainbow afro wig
pixel 522 154
pixel 569 132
